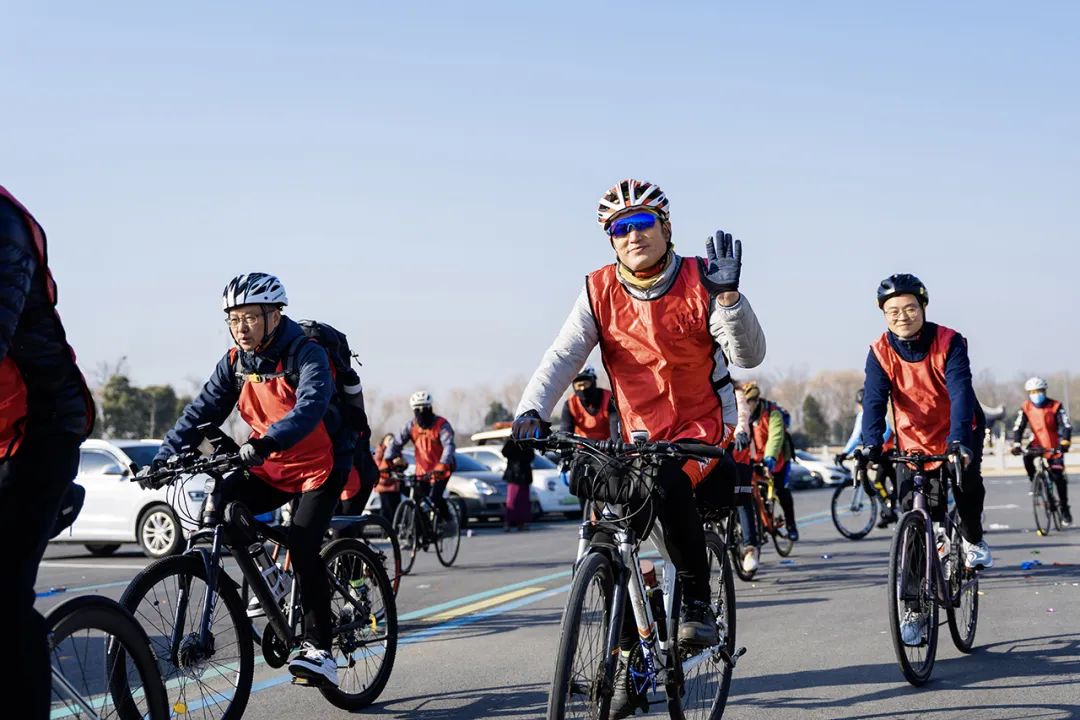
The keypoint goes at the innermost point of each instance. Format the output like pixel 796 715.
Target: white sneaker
pixel 750 559
pixel 311 663
pixel 913 628
pixel 254 608
pixel 977 555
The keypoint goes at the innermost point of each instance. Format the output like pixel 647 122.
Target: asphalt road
pixel 478 640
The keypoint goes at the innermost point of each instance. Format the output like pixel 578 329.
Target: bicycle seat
pixel 345 522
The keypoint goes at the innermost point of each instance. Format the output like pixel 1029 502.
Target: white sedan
pixel 831 474
pixel 550 485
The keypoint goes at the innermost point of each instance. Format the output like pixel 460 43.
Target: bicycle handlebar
pixel 187 465
pixel 568 441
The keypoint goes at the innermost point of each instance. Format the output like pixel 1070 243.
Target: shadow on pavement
pixel 520 701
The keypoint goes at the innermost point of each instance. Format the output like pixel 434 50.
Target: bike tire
pixel 1055 503
pixel 447 548
pixel 152 597
pixel 704 694
pixel 784 544
pixel 854 511
pixel 963 616
pixel 406 528
pixel 588 679
pixel 736 547
pixel 915 664
pixel 392 564
pixel 129 678
pixel 1040 500
pixel 359 571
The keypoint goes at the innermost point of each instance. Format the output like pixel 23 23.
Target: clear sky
pixel 425 176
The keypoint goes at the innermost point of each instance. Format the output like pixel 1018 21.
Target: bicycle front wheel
pixel 780 537
pixel 853 511
pixel 1040 498
pixel 448 535
pixel 707 673
pixel 407 532
pixel 205 680
pixel 392 562
pixel 102 665
pixel 963 608
pixel 364 617
pixel 738 546
pixel 578 688
pixel 913 608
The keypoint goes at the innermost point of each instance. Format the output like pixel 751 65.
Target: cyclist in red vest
pixel 590 412
pixel 667 327
pixel 1051 431
pixel 45 413
pixel 281 383
pixel 433 440
pixel 769 446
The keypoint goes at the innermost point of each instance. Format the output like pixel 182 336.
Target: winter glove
pixel 839 458
pixel 1016 449
pixel 528 426
pixel 1065 444
pixel 142 478
pixel 725 263
pixel 873 454
pixel 769 463
pixel 255 451
pixel 742 440
pixel 965 455
pixel 441 472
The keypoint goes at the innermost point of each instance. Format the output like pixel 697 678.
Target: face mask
pixel 424 417
pixel 1037 398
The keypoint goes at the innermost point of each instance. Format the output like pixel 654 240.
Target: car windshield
pixel 141 454
pixel 467 464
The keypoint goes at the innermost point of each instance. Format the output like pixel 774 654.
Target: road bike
pixel 770 515
pixel 856 505
pixel 1044 495
pixel 608 577
pixel 419 525
pixel 926 570
pixel 196 614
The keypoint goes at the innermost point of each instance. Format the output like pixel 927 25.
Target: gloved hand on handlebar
pixel 966 456
pixel 529 426
pixel 255 451
pixel 1017 449
pixel 873 454
pixel 440 472
pixel 770 463
pixel 1064 446
pixel 839 458
pixel 742 440
pixel 141 476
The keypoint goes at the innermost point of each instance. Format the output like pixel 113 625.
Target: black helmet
pixel 859 396
pixel 587 373
pixel 902 284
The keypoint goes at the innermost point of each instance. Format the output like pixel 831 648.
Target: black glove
pixel 1065 445
pixel 529 426
pixel 872 455
pixel 1016 449
pixel 725 263
pixel 141 476
pixel 255 451
pixel 964 455
pixel 839 458
pixel 742 440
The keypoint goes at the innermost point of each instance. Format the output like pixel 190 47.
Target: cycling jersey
pixel 434 445
pixel 767 435
pixel 593 425
pixel 1049 424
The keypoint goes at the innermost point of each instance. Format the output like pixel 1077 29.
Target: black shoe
pixel 625 701
pixel 888 517
pixel 1066 517
pixel 698 624
pixel 793 534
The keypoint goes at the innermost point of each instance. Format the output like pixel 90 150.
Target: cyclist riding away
pixel 281 383
pixel 45 413
pixel 590 412
pixel 667 327
pixel 769 445
pixel 433 440
pixel 1051 431
pixel 885 475
pixel 924 369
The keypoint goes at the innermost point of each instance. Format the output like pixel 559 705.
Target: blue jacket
pixel 315 388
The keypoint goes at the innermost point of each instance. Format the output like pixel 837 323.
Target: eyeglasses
pixel 245 320
pixel 911 312
pixel 638 221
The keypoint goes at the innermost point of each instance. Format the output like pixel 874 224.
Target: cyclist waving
pixel 667 327
pixel 924 369
pixel 1051 431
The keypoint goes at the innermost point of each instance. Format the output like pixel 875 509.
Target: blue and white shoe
pixel 977 555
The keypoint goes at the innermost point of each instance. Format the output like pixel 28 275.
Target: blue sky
pixel 425 176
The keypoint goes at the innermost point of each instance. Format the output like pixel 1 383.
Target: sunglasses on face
pixel 638 221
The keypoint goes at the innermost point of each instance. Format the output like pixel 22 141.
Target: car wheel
pixel 536 509
pixel 102 549
pixel 159 532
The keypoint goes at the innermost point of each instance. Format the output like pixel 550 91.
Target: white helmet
pixel 1035 383
pixel 253 289
pixel 628 194
pixel 420 398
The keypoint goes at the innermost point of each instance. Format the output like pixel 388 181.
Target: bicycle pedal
pixel 306 681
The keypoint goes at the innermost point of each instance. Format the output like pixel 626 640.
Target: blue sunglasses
pixel 638 221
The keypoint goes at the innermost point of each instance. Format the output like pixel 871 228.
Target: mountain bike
pixel 770 516
pixel 1044 496
pixel 608 576
pixel 196 614
pixel 927 571
pixel 419 526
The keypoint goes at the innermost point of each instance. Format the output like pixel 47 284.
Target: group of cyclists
pixel 669 327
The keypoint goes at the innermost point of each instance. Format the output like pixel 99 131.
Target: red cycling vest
pixel 1043 422
pixel 263 401
pixel 594 427
pixel 760 431
pixel 428 446
pixel 920 396
pixel 13 400
pixel 660 356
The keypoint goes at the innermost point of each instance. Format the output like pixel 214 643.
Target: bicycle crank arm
pixel 731 660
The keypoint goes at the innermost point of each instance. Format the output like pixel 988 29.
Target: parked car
pixel 802 477
pixel 116 510
pixel 549 484
pixel 830 473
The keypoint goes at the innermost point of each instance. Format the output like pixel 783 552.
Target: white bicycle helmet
pixel 1034 384
pixel 253 289
pixel 420 398
pixel 628 194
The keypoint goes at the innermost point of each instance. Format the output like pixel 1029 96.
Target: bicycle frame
pixel 764 516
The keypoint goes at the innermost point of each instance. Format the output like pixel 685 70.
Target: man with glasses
pixel 667 327
pixel 280 382
pixel 924 369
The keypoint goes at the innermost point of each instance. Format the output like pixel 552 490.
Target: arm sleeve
pixel 888 429
pixel 774 446
pixel 738 333
pixel 856 433
pixel 567 422
pixel 961 394
pixel 17 264
pixel 614 421
pixel 446 437
pixel 1064 426
pixel 1019 425
pixel 314 390
pixel 214 403
pixel 398 441
pixel 742 413
pixel 562 360
pixel 876 390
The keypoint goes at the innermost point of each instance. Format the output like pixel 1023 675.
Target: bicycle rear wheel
pixel 707 673
pixel 963 616
pixel 391 562
pixel 364 617
pixel 1040 498
pixel 1055 503
pixel 780 537
pixel 102 665
pixel 581 687
pixel 910 601
pixel 407 532
pixel 448 535
pixel 203 681
pixel 853 511
pixel 737 546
